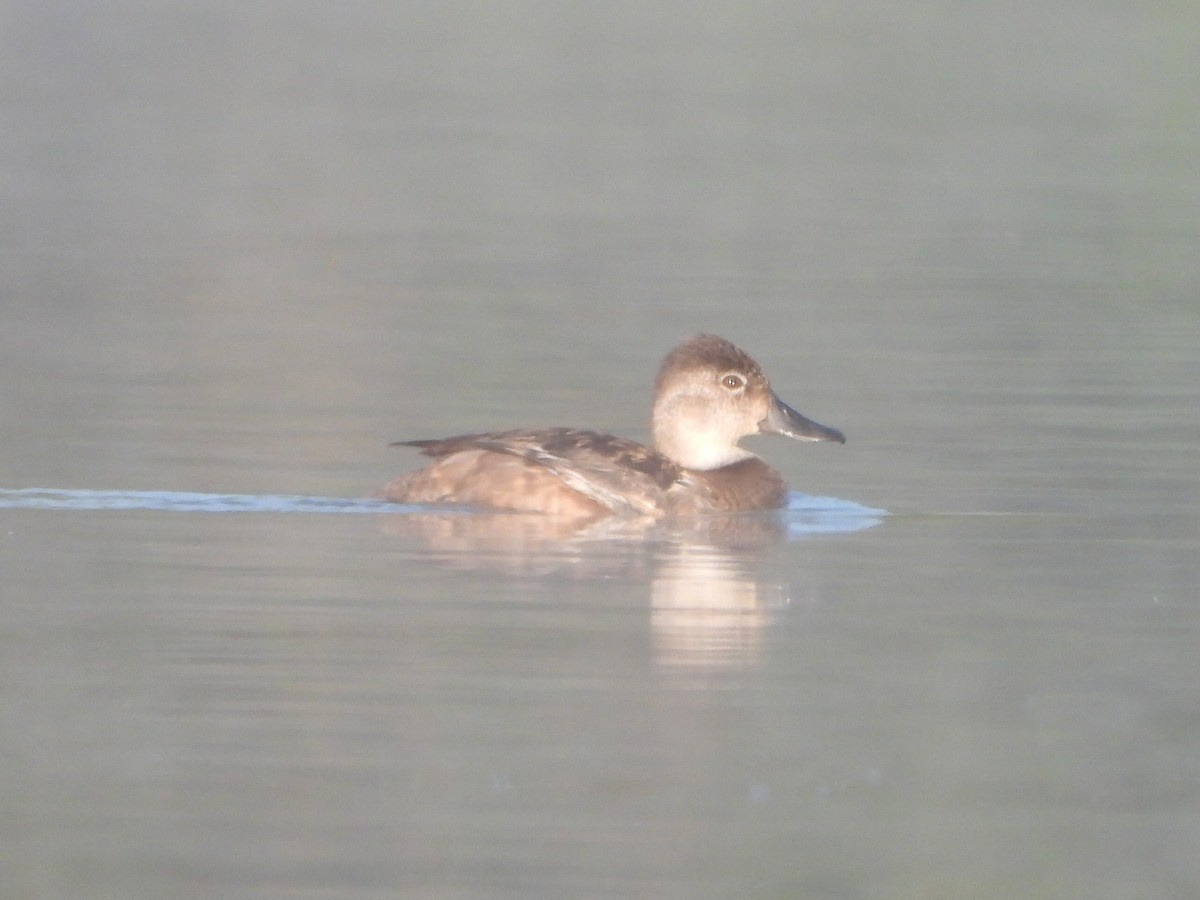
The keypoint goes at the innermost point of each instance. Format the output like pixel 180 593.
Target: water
pixel 244 249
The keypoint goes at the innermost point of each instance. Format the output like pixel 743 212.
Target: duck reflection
pixel 709 604
pixel 708 611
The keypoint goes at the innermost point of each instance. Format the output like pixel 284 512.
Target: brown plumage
pixel 708 395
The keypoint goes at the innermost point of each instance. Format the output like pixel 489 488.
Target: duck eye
pixel 733 382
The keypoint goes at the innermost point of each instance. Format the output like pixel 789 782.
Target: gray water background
pixel 244 246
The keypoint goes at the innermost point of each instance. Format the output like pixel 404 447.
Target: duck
pixel 708 395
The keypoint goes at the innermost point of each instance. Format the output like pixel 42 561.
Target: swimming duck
pixel 708 396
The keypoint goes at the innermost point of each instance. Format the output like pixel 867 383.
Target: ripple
pixel 803 514
pixel 185 501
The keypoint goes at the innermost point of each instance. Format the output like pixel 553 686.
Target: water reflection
pixel 709 603
pixel 707 607
pixel 709 611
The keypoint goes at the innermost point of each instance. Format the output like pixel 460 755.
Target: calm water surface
pixel 243 250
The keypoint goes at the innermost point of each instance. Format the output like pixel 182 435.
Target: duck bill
pixel 782 419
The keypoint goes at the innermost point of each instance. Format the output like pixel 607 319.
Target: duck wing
pixel 621 475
